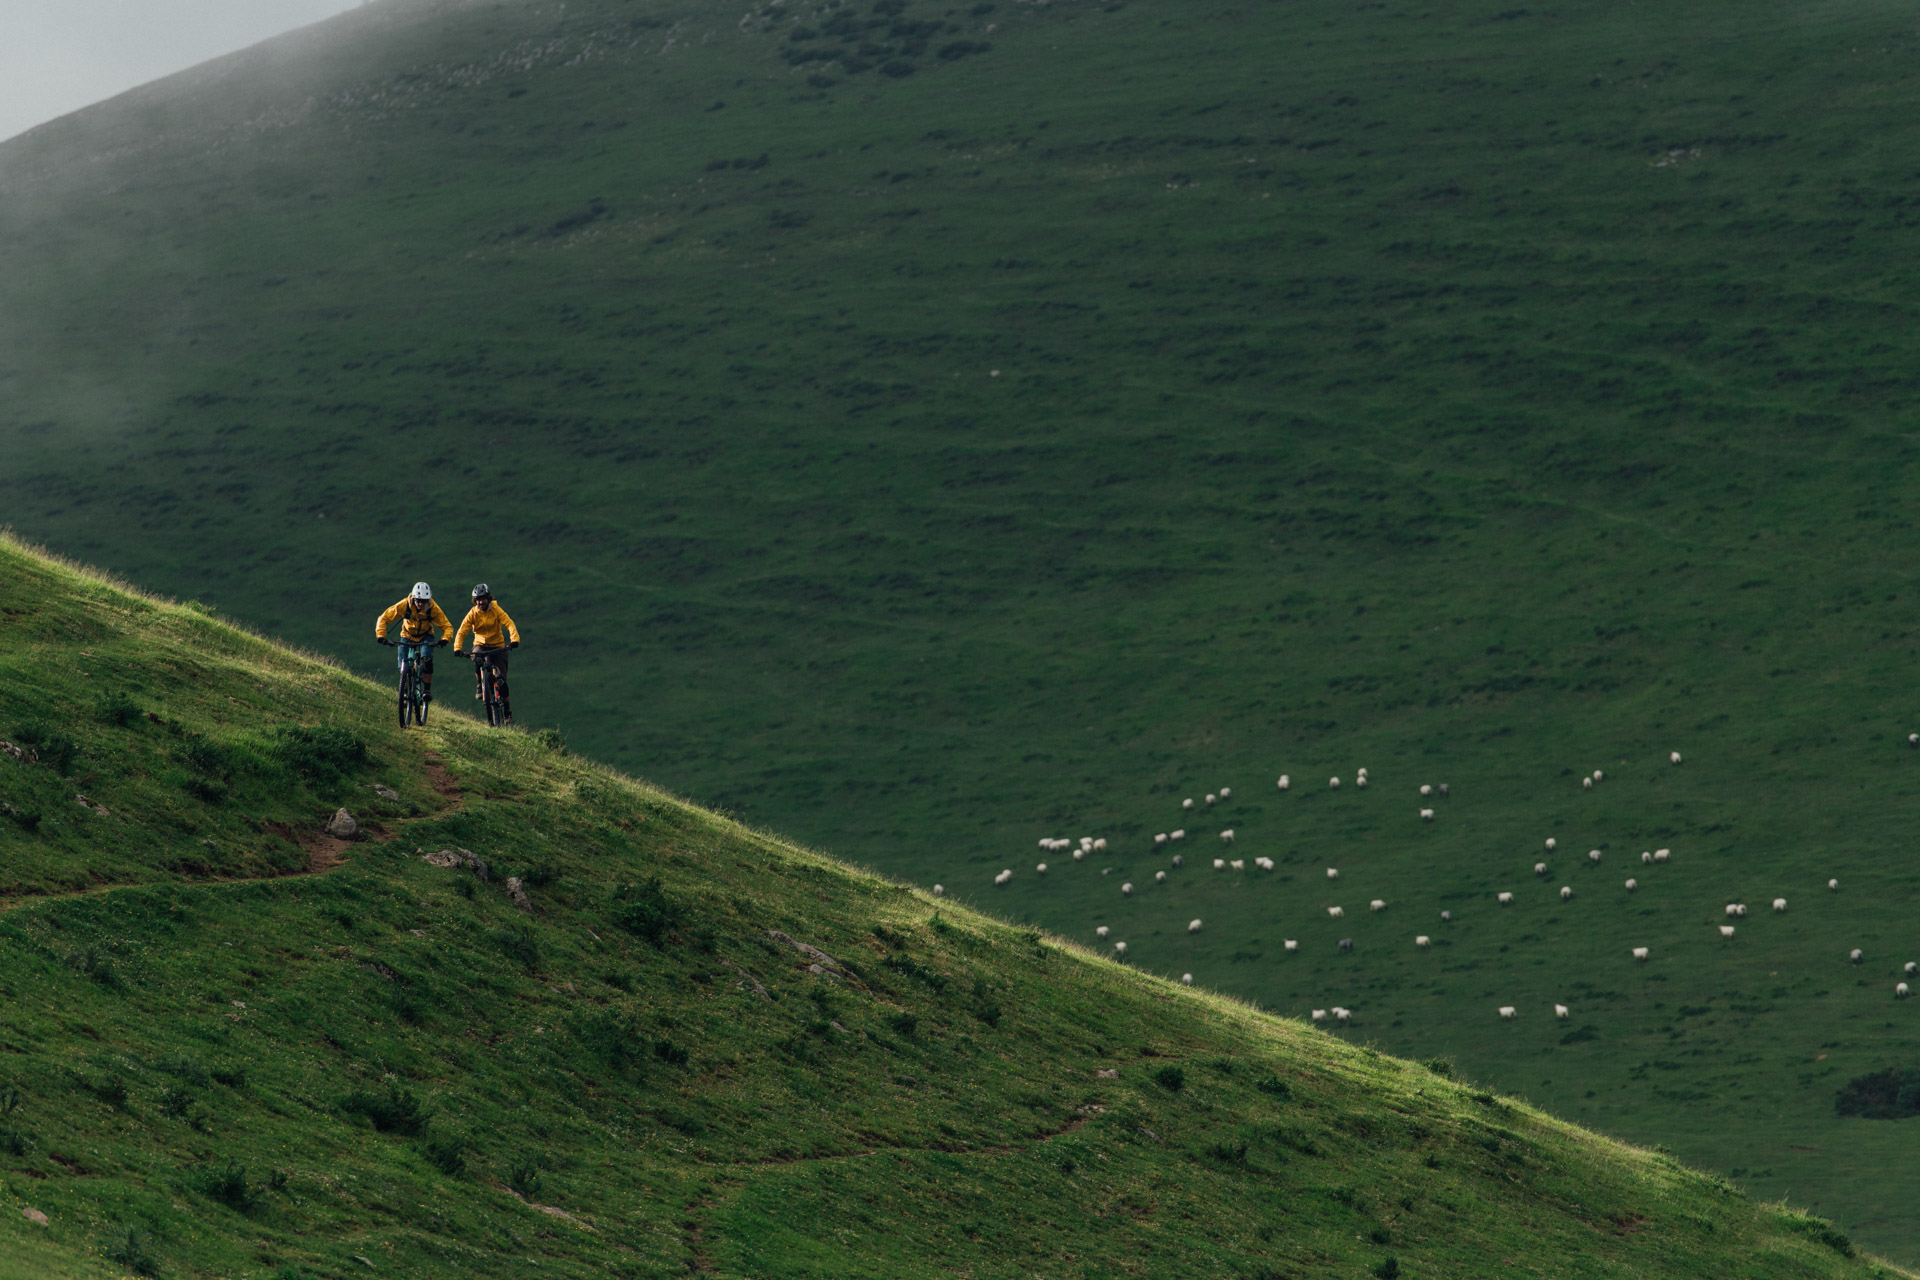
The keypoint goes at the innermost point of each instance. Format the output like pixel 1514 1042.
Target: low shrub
pixel 1819 1229
pixel 13 1142
pixel 1388 1268
pixel 112 1091
pixel 396 1111
pixel 1170 1078
pixel 228 1184
pixel 1893 1094
pixel 1274 1085
pixel 176 1101
pixel 670 1053
pixel 645 910
pixel 524 1177
pixel 128 1247
pixel 117 708
pixel 448 1154
pixel 904 1023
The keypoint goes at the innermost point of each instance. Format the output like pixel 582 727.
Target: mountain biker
pixel 417 615
pixel 493 634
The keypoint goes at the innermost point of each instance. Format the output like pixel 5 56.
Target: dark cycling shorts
pixel 496 658
pixel 408 648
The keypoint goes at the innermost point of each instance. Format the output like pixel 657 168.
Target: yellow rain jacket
pixel 487 625
pixel 415 624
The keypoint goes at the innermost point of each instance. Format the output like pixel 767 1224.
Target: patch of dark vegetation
pixel 395 1111
pixel 645 910
pixel 323 755
pixel 1893 1094
pixel 1818 1229
pixel 1170 1078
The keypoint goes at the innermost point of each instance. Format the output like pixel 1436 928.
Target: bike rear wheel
pixel 420 704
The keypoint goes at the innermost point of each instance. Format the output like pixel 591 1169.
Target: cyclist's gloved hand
pixel 383 640
pixel 513 644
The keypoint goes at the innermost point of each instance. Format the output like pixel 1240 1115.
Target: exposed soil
pixel 324 852
pixel 438 778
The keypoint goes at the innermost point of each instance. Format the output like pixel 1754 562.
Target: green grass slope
pixel 1161 398
pixel 703 1050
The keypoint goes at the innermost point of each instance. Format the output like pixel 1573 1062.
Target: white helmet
pixel 421 591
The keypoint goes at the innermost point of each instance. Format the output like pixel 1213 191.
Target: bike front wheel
pixel 406 695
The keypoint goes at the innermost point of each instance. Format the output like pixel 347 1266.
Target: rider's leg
pixel 479 661
pixel 426 674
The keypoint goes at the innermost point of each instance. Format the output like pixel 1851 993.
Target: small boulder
pixel 342 826
pixel 34 1216
pixel 385 792
pixel 518 893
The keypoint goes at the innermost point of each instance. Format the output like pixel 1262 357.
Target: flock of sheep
pixel 1088 845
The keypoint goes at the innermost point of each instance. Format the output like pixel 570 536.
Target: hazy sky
pixel 57 56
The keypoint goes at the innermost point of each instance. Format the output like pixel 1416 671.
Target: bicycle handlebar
pixel 428 643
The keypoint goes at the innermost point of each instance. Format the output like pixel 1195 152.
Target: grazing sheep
pixel 1046 844
pixel 1446 917
pixel 1504 899
pixel 1640 954
pixel 1284 782
pixel 1833 885
pixel 1079 855
pixel 1378 904
pixel 1426 815
pixel 1101 932
pixel 1661 855
pixel 1319 1015
pixel 1177 859
pixel 1187 803
pixel 1086 842
pixel 1004 876
pixel 1333 784
pixel 1551 842
pixel 1126 890
pixel 1913 739
pixel 939 891
pixel 1106 871
pixel 1425 789
pixel 1508 1012
pixel 1226 792
pixel 1360 781
pixel 1422 940
pixel 1100 845
pixel 1632 884
pixel 1539 868
pixel 1291 944
pixel 1343 1014
pixel 1186 979
pixel 1560 1011
pixel 1740 909
pixel 1227 835
pixel 1587 782
pixel 1900 991
pixel 1646 858
pixel 1336 912
pixel 1346 944
pixel 1726 931
pixel 1599 776
pixel 1193 926
pixel 1333 873
pixel 1566 893
pixel 1593 855
pixel 1238 864
pixel 1219 864
pixel 1181 834
pixel 1161 838
pixel 1444 789
pixel 1674 756
pixel 1211 798
pixel 1040 868
pixel 1120 948
pixel 1912 967
pixel 1265 864
pixel 1855 955
pixel 1159 877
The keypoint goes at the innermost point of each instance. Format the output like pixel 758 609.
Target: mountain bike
pixel 414 693
pixel 492 690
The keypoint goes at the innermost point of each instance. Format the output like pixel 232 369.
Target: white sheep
pixel 1640 954
pixel 1426 789
pixel 1632 884
pixel 1508 1012
pixel 1661 855
pixel 1333 784
pixel 1726 931
pixel 1342 1014
pixel 1422 940
pixel 1159 877
pixel 1226 793
pixel 1212 798
pixel 1913 967
pixel 1360 781
pixel 1378 904
pixel 1291 944
pixel 1120 948
pixel 1227 835
pixel 1599 776
pixel 1046 844
pixel 1126 890
pixel 1086 842
pixel 1855 955
pixel 1504 899
pixel 1740 909
pixel 1593 855
pixel 1100 845
pixel 1284 782
pixel 1560 1011
pixel 1265 864
pixel 1193 926
pixel 939 891
pixel 1426 815
pixel 1040 868
pixel 1003 877
pixel 1333 873
pixel 1834 885
pixel 1539 868
pixel 1161 838
pixel 1566 893
pixel 1101 932
pixel 1646 858
pixel 1551 843
pixel 1446 917
pixel 1238 864
pixel 1180 834
pixel 1674 756
pixel 1177 860
pixel 1186 979
pixel 1319 1015
pixel 1336 912
pixel 1187 803
pixel 1219 864
pixel 1587 782
pixel 1900 991
pixel 1079 855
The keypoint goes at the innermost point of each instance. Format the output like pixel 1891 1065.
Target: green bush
pixel 396 1111
pixel 1172 1079
pixel 128 1247
pixel 904 1023
pixel 176 1101
pixel 1893 1094
pixel 229 1185
pixel 1274 1085
pixel 524 1176
pixel 645 910
pixel 552 740
pixel 117 708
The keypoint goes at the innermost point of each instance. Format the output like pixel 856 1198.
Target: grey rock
pixel 34 1216
pixel 343 826
pixel 385 792
pixel 815 954
pixel 518 893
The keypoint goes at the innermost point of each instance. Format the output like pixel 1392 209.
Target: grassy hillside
pixel 703 1050
pixel 1156 399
